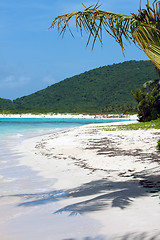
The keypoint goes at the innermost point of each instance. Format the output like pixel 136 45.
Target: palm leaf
pixel 143 28
pixel 147 34
pixel 94 21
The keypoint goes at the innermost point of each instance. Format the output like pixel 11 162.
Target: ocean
pixel 37 126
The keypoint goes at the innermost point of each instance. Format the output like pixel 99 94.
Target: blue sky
pixel 33 57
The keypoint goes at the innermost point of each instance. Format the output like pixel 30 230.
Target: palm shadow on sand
pixel 97 194
pixel 129 236
pixel 114 194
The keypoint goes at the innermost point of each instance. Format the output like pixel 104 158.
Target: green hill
pixel 92 91
pixel 6 104
pixel 105 88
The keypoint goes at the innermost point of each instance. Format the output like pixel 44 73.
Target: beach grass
pixel 154 124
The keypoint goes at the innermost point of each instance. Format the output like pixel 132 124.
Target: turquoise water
pixel 26 126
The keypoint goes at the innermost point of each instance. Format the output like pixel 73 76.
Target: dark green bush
pixel 158 144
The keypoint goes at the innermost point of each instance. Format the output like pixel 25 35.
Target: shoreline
pixel 105 174
pixel 67 115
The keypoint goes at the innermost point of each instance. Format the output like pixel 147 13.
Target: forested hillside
pixel 6 104
pixel 105 88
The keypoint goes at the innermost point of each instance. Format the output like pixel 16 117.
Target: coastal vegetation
pixel 103 90
pixel 158 144
pixel 153 124
pixel 148 99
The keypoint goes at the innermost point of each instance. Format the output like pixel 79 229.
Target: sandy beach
pixel 68 115
pixel 108 177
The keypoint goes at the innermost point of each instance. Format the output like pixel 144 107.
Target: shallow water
pixel 27 201
pixel 20 126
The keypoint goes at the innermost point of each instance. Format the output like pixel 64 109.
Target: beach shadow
pixel 88 238
pixel 45 198
pixel 40 198
pixel 99 194
pixel 139 236
pixel 113 194
pixel 116 194
pixel 129 236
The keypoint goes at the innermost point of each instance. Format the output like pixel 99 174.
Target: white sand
pixel 59 115
pixel 112 176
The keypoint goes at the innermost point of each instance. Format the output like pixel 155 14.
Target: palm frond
pixel 94 21
pixel 147 34
pixel 149 85
pixel 143 28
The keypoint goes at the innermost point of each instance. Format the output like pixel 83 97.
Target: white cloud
pixel 9 80
pixel 12 81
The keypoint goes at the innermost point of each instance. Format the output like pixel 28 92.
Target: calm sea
pixel 37 126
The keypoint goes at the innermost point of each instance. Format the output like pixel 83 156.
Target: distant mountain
pixel 92 91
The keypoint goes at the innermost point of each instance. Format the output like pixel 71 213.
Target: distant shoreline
pixel 68 115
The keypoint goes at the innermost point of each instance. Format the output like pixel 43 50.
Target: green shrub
pixel 158 144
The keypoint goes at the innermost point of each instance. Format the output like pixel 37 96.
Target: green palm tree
pixel 142 28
